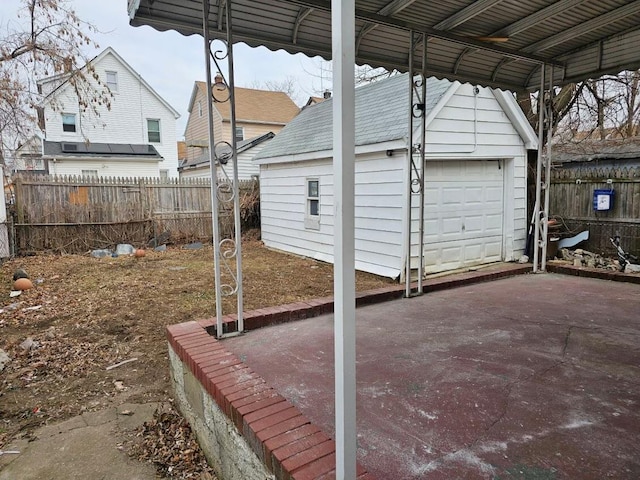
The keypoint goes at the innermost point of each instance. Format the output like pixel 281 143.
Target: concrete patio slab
pixel 529 377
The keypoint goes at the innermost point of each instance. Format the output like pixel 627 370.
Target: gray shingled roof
pixel 240 147
pixel 381 116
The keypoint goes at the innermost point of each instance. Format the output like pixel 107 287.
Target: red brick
pixel 239 376
pixel 220 362
pixel 299 446
pixel 317 468
pixel 258 410
pixel 202 369
pixel 297 462
pixel 211 358
pixel 330 475
pixel 214 381
pixel 282 427
pixel 253 403
pixel 244 389
pixel 274 419
pixel 291 436
pixel 263 408
pixel 256 439
pixel 180 329
pixel 207 322
pixel 214 348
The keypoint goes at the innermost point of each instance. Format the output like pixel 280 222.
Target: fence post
pixel 147 215
pixel 19 203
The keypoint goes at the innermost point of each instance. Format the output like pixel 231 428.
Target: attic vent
pixel 69 147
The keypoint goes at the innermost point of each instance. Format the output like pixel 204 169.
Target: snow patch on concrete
pixel 577 423
pixel 491 447
pixel 427 415
pixel 463 456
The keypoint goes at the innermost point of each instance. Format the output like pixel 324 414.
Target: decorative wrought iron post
pixel 225 192
pixel 416 155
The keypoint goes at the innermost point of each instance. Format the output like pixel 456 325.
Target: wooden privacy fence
pixel 571 199
pixel 76 214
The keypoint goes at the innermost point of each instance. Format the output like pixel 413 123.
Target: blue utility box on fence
pixel 603 200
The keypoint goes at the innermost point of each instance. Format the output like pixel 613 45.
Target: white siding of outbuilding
pixel 125 122
pixel 381 193
pixel 378 211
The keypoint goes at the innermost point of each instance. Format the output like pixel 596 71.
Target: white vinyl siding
pixel 102 168
pixel 378 211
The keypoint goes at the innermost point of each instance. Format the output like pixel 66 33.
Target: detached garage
pixel 475 179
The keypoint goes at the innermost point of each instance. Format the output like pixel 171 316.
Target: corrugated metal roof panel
pixel 535 32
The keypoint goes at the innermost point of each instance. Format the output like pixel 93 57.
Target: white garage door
pixel 463 214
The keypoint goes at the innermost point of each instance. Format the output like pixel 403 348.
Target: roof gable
pixel 263 106
pixel 381 116
pixel 109 51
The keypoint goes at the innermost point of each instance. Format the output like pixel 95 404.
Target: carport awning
pixel 499 43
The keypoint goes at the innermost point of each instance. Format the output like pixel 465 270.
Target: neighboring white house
pixel 475 196
pixel 198 167
pixel 135 137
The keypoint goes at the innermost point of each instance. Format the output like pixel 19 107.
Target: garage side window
pixel 312 216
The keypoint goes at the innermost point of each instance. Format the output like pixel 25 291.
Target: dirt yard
pixel 86 314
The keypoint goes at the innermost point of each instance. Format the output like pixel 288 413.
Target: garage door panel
pixel 463 214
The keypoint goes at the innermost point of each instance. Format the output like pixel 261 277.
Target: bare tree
pixel 286 85
pixel 45 39
pixel 607 107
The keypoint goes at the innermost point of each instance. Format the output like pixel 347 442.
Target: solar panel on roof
pixel 98 148
pixel 120 148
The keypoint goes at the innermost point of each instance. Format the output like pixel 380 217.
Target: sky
pixel 171 62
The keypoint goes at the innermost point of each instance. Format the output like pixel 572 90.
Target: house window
pixel 68 122
pixel 312 215
pixel 112 81
pixel 164 174
pixel 199 108
pixel 239 134
pixel 89 173
pixel 153 129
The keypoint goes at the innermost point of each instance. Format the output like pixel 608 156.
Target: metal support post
pixel 343 49
pixel 423 165
pixel 236 183
pixel 212 165
pixel 416 165
pixel 224 190
pixel 547 170
pixel 541 210
pixel 408 216
pixel 536 208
